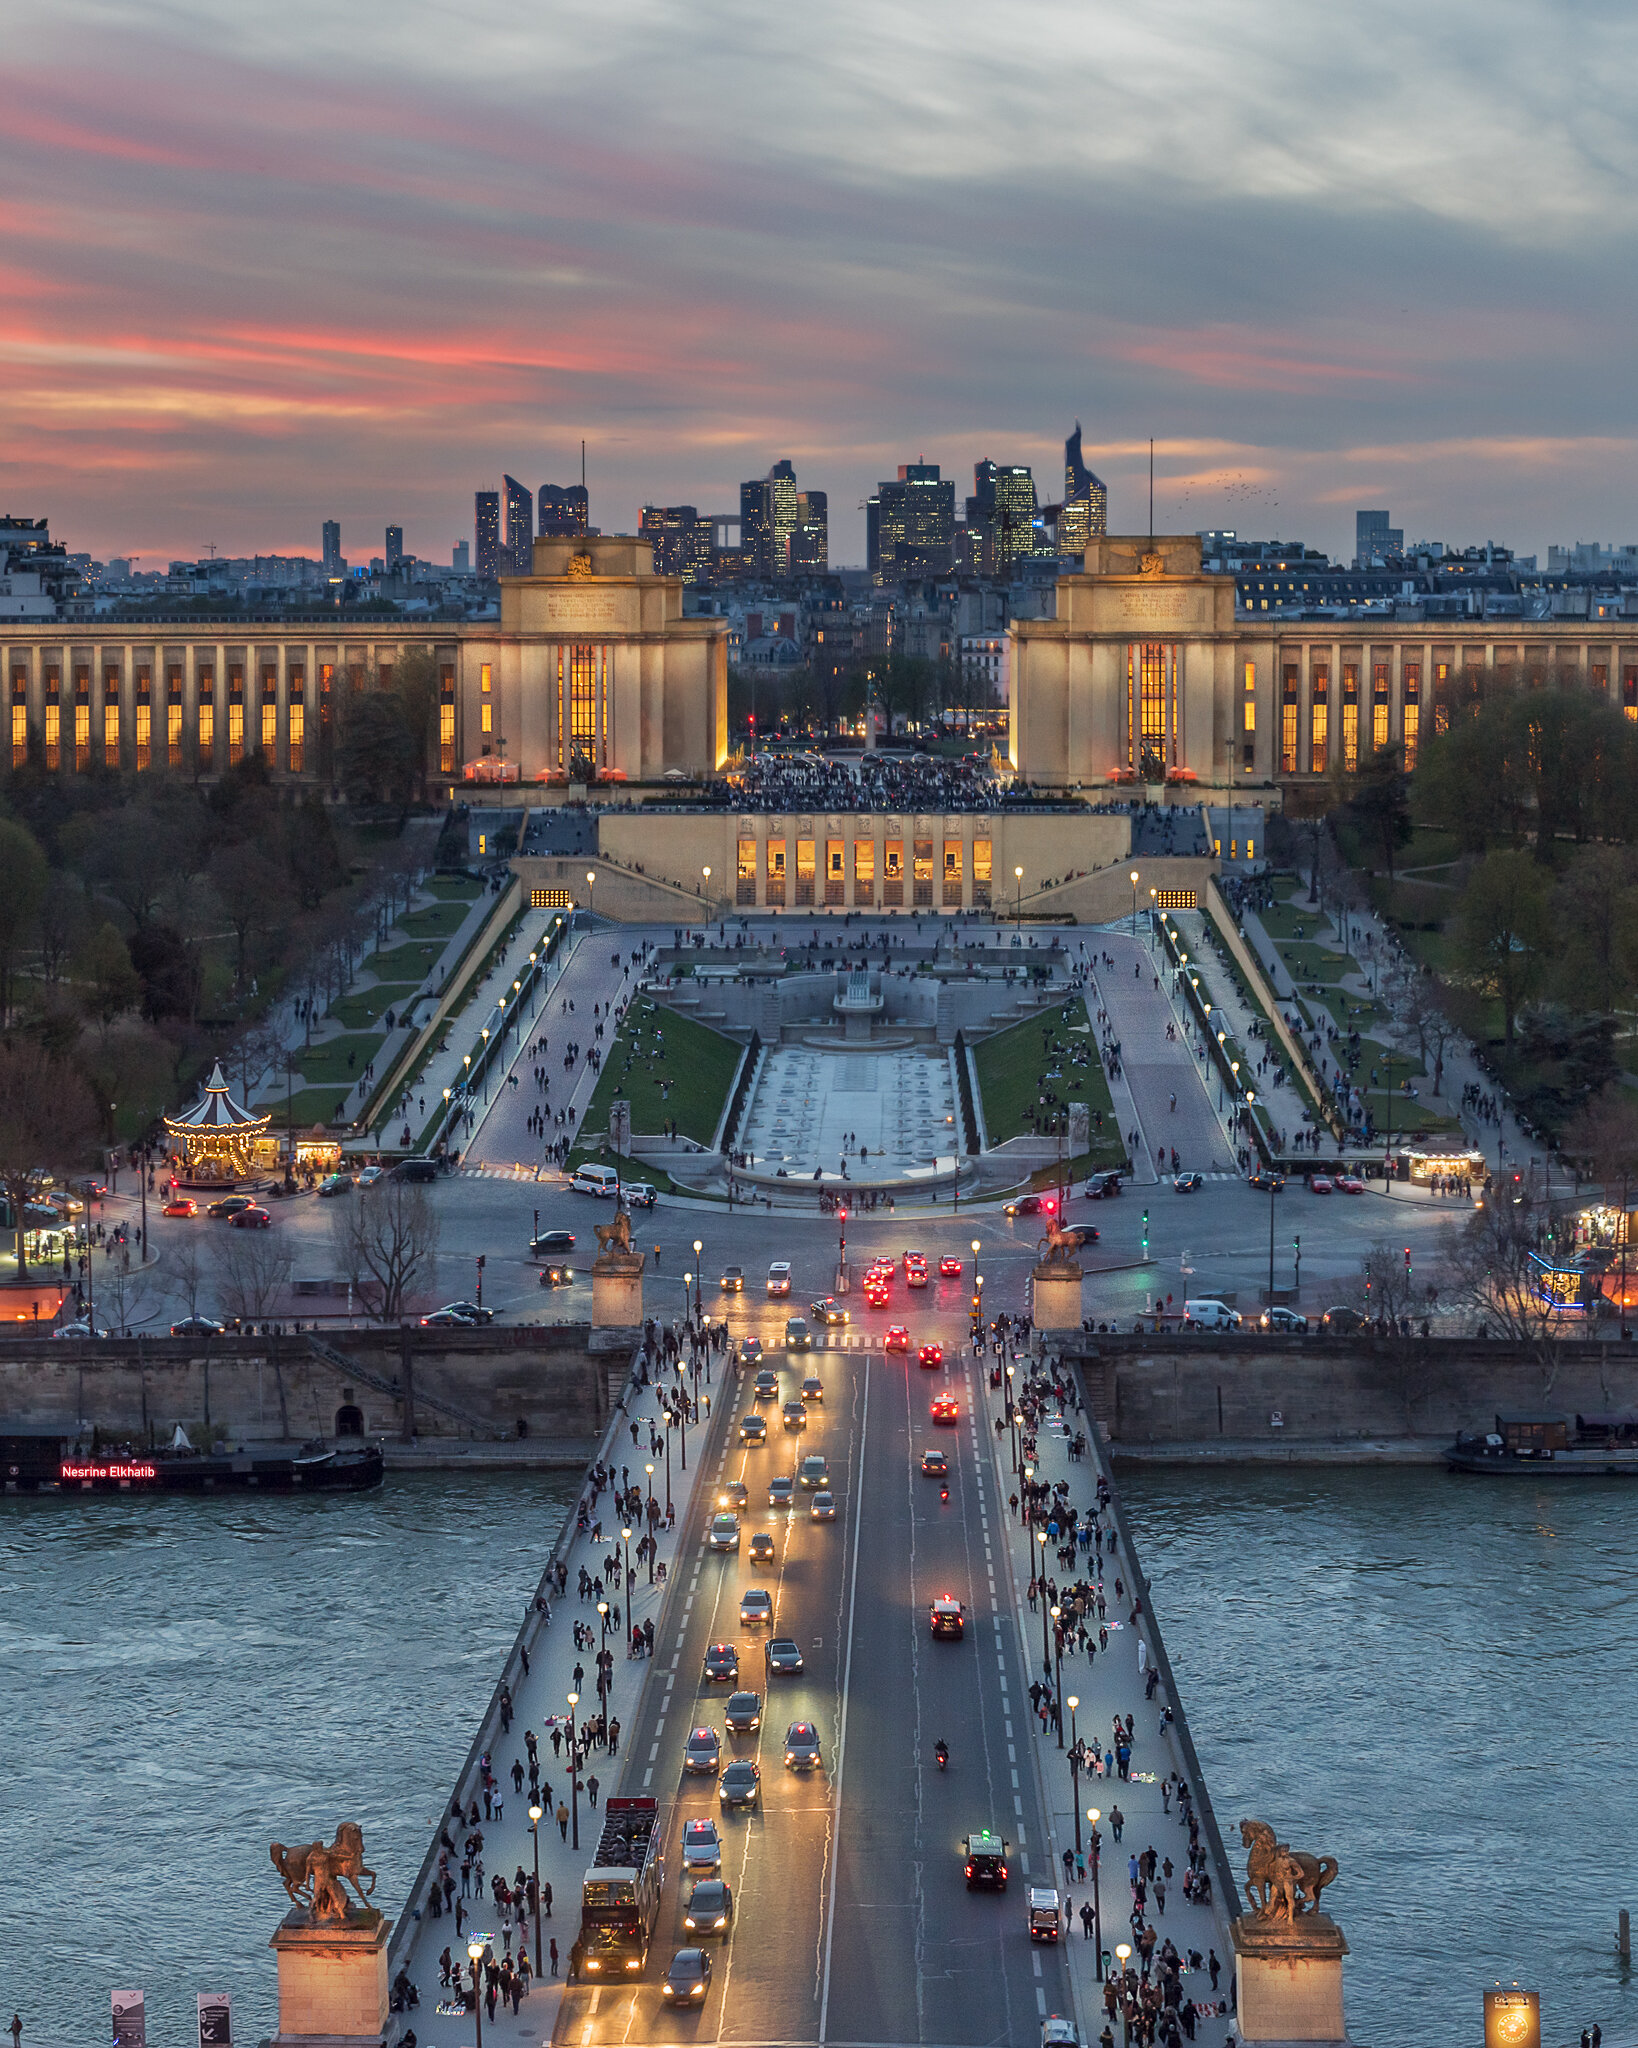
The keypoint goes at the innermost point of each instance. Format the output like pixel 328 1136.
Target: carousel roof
pixel 216 1110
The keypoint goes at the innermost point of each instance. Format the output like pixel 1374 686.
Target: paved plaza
pixel 876 1114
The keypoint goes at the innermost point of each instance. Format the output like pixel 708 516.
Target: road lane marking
pixel 841 1733
pixel 1015 1781
pixel 1040 2003
pixel 648 1777
pixel 654 1753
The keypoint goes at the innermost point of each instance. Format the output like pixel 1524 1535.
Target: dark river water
pixel 184 1681
pixel 1433 1679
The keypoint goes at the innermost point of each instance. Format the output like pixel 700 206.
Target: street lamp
pixel 699 1280
pixel 625 1538
pixel 652 1545
pixel 668 1466
pixel 535 1812
pixel 1012 1417
pixel 1075 1765
pixel 1094 1814
pixel 574 1768
pixel 474 1949
pixel 1046 1644
pixel 1058 1654
pixel 1134 881
pixel 1123 1955
pixel 1018 876
pixel 591 891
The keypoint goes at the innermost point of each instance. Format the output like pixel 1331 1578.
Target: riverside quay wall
pixel 483 1385
pixel 1328 1393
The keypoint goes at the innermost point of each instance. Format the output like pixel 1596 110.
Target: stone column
pixel 1057 1295
pixel 332 1980
pixel 617 1300
pixel 1290 1979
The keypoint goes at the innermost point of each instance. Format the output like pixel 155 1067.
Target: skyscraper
pixel 488 533
pixel 810 537
pixel 332 547
pixel 768 516
pixel 565 510
pixel 461 560
pixel 520 527
pixel 1085 513
pixel 680 538
pixel 1374 536
pixel 395 549
pixel 1003 506
pixel 910 524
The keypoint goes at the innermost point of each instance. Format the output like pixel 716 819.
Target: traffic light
pixel 1145 1230
pixel 1407 1262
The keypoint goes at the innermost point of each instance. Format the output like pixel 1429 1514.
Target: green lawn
pixel 366 1006
pixel 686 1083
pixel 437 921
pixel 410 964
pixel 1307 962
pixel 308 1106
pixel 326 1064
pixel 1012 1066
pixel 454 888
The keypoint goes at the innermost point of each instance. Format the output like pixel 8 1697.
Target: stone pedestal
pixel 332 1980
pixel 1290 1979
pixel 1057 1296
pixel 617 1291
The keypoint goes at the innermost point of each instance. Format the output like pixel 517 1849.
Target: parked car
pixel 1319 1184
pixel 1341 1322
pixel 197 1326
pixel 1350 1184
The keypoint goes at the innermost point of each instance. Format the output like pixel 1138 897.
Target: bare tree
pixel 251 1268
pixel 1493 1268
pixel 386 1242
pixel 189 1271
pixel 47 1119
pixel 123 1293
pixel 1390 1283
pixel 1420 1023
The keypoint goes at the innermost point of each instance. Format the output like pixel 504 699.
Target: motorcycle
pixel 941 1750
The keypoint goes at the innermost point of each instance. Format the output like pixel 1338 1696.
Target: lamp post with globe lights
pixel 535 1812
pixel 474 1949
pixel 1094 1815
pixel 574 1767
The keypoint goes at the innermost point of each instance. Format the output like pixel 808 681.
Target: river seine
pixel 1433 1679
pixel 184 1681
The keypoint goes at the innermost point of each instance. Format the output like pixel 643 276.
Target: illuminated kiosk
pixel 218 1142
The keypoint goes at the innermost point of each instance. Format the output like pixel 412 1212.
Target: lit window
pixel 270 724
pixel 144 735
pixel 236 730
pixel 489 718
pixel 298 732
pixel 19 734
pixel 1251 714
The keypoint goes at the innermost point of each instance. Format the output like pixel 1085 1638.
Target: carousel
pixel 218 1142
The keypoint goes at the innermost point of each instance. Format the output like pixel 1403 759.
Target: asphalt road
pixel 853 1923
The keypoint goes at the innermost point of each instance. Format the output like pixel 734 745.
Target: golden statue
pixel 313 1874
pixel 1279 1879
pixel 615 1236
pixel 1060 1245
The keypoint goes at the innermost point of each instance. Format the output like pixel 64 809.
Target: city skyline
pixel 253 283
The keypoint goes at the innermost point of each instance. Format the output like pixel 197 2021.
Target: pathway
pixel 1168 1092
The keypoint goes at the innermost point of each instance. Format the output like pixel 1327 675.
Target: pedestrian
pixel 554 1955
pixel 563 1820
pixel 591 1788
pixel 16 2030
pixel 1214 1966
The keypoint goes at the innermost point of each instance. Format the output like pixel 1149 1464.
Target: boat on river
pixel 1551 1447
pixel 44 1462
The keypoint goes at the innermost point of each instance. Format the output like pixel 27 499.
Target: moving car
pixel 827 1312
pixel 1057 2032
pixel 753 1429
pixel 823 1506
pixel 875 1294
pixel 897 1338
pixel 640 1194
pixel 766 1384
pixel 1340 1322
pixel 813 1388
pixel 755 1607
pixel 782 1657
pixel 945 1408
pixel 735 1494
pixel 336 1184
pixel 688 1979
pixel 474 1311
pixel 703 1751
pixel 935 1464
pixel 1350 1184
pixel 813 1472
pixel 1103 1187
pixel 985 1861
pixel 369 1175
pixel 1319 1184
pixel 552 1241
pixel 251 1217
pixel 1207 1313
pixel 743 1713
pixel 73 1330
pixel 1270 1183
pixel 180 1205
pixel 229 1205
pixel 797 1336
pixel 913 1259
pixel 916 1275
pixel 1189 1183
pixel 1283 1319
pixel 723 1533
pixel 762 1548
pixel 750 1350
pixel 950 1267
pixel 931 1356
pixel 702 1846
pixel 779 1277
pixel 733 1280
pixel 444 1319
pixel 1032 1205
pixel 802 1746
pixel 947 1617
pixel 710 1907
pixel 557 1276
pixel 1045 1919
pixel 780 1489
pixel 197 1326
pixel 740 1783
pixel 795 1415
pixel 722 1664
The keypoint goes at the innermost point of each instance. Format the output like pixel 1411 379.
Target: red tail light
pixel 969 1870
pixel 1003 1870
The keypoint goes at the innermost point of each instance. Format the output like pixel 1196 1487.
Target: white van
pixel 595 1180
pixel 1209 1315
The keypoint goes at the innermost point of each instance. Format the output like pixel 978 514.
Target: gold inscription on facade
pixel 582 610
pixel 1173 607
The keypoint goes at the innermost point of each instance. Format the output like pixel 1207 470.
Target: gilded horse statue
pixel 1279 1879
pixel 615 1236
pixel 1060 1245
pixel 313 1874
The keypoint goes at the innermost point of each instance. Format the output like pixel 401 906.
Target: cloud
pixel 356 261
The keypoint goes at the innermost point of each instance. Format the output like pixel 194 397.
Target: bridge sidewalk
pixel 539 1699
pixel 1111 1684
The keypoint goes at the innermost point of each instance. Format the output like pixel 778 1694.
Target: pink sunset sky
pixel 263 267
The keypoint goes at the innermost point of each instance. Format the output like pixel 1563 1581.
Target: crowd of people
pixel 867 782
